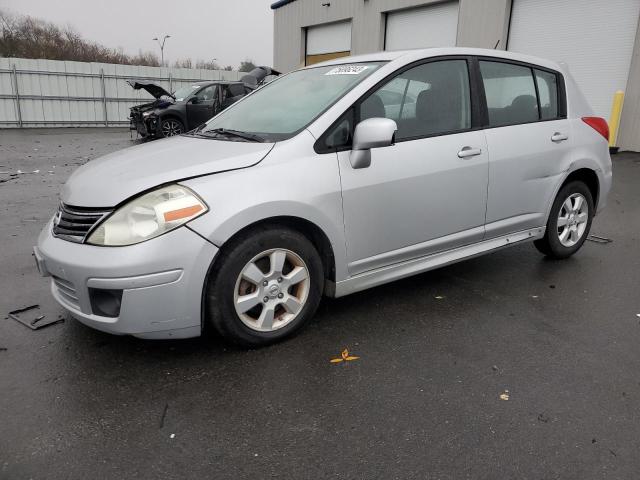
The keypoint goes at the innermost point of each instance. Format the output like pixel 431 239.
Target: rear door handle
pixel 467 152
pixel 559 137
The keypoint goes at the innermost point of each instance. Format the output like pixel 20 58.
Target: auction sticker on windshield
pixel 347 70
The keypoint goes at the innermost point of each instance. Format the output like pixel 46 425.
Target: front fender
pixel 285 184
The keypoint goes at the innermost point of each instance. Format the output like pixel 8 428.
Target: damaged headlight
pixel 147 114
pixel 149 216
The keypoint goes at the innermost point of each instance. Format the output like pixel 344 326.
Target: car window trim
pixel 479 108
pixel 560 85
pixel 559 96
pixel 476 112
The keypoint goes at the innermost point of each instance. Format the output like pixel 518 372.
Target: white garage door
pixel 594 37
pixel 326 42
pixel 433 26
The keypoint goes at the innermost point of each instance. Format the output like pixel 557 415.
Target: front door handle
pixel 559 137
pixel 467 152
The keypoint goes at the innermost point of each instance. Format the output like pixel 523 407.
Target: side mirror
pixel 194 101
pixel 371 133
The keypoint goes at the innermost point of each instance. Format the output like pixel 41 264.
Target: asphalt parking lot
pixel 437 352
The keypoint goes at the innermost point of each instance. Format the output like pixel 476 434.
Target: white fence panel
pixel 55 93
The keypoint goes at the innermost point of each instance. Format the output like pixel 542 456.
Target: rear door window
pixel 511 93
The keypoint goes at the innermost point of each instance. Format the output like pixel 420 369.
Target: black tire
pixel 550 245
pixel 221 312
pixel 170 127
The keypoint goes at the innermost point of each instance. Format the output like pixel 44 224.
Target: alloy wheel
pixel 572 219
pixel 171 128
pixel 271 290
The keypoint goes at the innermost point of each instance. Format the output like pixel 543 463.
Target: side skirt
pixel 397 271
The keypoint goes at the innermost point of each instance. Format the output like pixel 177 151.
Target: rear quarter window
pixel 547 83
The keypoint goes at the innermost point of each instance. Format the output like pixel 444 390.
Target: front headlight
pixel 148 216
pixel 147 114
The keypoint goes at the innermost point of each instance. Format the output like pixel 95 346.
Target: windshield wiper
pixel 234 133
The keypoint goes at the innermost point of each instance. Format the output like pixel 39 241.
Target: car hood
pixel 109 180
pixel 152 88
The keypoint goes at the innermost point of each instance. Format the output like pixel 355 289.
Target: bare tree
pixel 183 63
pixel 246 66
pixel 28 37
pixel 207 65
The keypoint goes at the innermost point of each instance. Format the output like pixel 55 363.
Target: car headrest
pixel 372 107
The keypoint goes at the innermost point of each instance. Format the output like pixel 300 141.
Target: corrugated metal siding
pixel 56 93
pixel 629 136
pixel 480 24
pixel 594 37
pixel 422 27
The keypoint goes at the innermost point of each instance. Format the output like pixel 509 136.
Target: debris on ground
pixel 598 239
pixel 164 414
pixel 36 322
pixel 439 297
pixel 543 418
pixel 504 395
pixel 344 357
pixel 173 435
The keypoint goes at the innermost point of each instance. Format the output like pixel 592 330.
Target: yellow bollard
pixel 614 120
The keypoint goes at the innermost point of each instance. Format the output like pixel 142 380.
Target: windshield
pixel 184 92
pixel 285 106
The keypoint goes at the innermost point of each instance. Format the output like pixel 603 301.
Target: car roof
pixel 407 56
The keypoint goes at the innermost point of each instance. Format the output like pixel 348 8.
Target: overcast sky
pixel 229 30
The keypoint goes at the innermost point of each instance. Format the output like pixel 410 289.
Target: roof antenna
pixel 497 43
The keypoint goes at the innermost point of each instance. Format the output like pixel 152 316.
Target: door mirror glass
pixel 194 101
pixel 371 133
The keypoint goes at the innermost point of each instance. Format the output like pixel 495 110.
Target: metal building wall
pixel 480 24
pixel 38 93
pixel 629 134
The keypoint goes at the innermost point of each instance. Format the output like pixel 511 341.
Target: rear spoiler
pixel 257 75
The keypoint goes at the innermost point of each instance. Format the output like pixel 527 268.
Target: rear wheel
pixel 171 126
pixel 569 221
pixel 267 285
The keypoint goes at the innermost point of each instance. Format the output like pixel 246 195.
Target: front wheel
pixel 170 127
pixel 569 221
pixel 266 285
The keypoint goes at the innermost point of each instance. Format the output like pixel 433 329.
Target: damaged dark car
pixel 191 105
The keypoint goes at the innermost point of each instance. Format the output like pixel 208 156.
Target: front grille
pixel 67 291
pixel 75 223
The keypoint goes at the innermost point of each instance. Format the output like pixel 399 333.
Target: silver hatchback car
pixel 332 179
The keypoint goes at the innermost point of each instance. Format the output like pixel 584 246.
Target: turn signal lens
pixel 599 124
pixel 186 212
pixel 149 216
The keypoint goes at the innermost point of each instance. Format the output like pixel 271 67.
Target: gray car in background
pixel 191 105
pixel 331 179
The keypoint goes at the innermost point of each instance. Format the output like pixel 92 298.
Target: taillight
pixel 599 124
